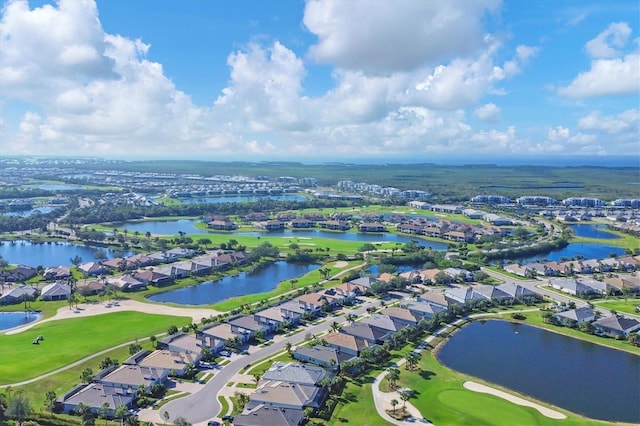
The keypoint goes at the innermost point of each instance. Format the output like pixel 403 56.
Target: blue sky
pixel 320 80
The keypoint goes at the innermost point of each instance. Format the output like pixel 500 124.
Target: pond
pixel 582 377
pixel 162 227
pixel 241 199
pixel 593 231
pixel 573 250
pixel 10 320
pixel 258 281
pixel 60 187
pixel 27 213
pixel 51 254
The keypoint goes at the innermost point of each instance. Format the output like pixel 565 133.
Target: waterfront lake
pixel 573 250
pixel 593 231
pixel 16 319
pixel 258 281
pixel 582 377
pixel 241 199
pixel 51 254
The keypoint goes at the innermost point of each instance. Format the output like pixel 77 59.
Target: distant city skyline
pixel 347 81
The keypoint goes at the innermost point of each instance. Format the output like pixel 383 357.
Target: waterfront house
pixel 92 268
pixel 574 317
pixel 420 309
pixel 57 273
pixel 371 227
pixel 616 326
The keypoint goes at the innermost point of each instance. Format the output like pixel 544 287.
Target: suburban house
pixel 371 227
pixel 383 322
pixel 18 294
pixel 245 326
pixel 576 316
pixel 222 225
pixel 90 287
pixel 272 318
pixel 336 225
pixel 324 356
pixel 153 277
pixel 366 282
pixel 170 360
pixel 288 395
pixel 299 223
pixel 56 291
pixel 95 396
pixel 616 326
pixel 263 415
pixel 141 260
pixel 462 295
pixel 517 291
pixel 215 337
pixel 402 316
pixel 127 283
pixel 132 377
pixel 492 293
pixel 421 309
pixel 517 269
pixel 574 287
pixel 57 273
pixel 436 299
pixel 92 268
pixel 182 342
pixel 313 302
pixel 370 333
pixel 18 274
pixel 346 343
pixel 294 372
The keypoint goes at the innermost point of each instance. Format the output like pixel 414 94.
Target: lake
pixel 258 281
pixel 52 254
pixel 27 213
pixel 582 377
pixel 593 231
pixel 16 319
pixel 241 199
pixel 571 251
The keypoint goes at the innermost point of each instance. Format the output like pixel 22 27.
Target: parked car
pixel 225 353
pixel 213 423
pixel 227 418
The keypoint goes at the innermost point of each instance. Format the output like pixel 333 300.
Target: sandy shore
pixel 89 309
pixel 547 412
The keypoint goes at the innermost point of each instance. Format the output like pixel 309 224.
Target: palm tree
pixel 394 402
pixel 404 396
pixel 351 318
pixel 121 413
pixel 392 376
pixel 335 326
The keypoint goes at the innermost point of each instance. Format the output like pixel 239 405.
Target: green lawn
pixel 621 306
pixel 355 407
pixel 69 340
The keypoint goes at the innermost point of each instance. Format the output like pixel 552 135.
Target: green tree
pixel 181 421
pixel 18 407
pixel 49 401
pixel 87 375
pixel 121 412
pixel 394 403
pixel 393 376
pixel 103 412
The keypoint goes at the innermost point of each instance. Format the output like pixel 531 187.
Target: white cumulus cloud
pixel 488 112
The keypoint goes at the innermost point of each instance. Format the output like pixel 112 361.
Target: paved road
pixel 204 405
